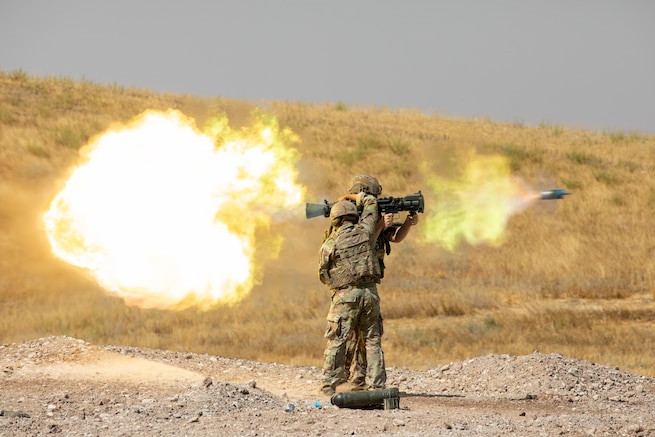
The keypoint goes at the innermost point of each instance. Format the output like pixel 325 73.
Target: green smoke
pixel 473 203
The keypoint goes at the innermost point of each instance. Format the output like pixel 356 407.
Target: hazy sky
pixel 577 63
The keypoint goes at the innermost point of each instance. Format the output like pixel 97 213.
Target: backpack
pixel 347 258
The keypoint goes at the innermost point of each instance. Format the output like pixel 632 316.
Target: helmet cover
pixel 365 183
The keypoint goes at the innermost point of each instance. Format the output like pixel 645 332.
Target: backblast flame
pixel 164 215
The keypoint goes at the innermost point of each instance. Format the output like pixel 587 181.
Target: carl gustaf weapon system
pixel 411 203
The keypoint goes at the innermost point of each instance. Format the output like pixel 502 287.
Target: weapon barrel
pixel 412 202
pixel 317 209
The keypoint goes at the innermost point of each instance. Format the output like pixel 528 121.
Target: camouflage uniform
pixel 356 343
pixel 355 306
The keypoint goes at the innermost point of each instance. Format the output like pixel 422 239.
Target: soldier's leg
pixel 372 331
pixel 343 311
pixel 376 369
pixel 351 351
pixel 358 368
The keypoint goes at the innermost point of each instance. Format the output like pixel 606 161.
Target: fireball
pixel 164 215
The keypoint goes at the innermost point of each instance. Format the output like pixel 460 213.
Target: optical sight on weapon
pixel 411 203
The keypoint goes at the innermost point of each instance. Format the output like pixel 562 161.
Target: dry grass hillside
pixel 575 277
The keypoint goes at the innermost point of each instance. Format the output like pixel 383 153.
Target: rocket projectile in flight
pixel 553 194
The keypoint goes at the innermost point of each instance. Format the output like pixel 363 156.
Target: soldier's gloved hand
pixel 412 219
pixel 388 220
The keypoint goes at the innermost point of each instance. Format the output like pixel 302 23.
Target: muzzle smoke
pixel 474 202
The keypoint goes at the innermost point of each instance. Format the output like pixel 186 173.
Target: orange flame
pixel 164 216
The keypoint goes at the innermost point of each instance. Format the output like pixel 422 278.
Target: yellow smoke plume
pixel 473 202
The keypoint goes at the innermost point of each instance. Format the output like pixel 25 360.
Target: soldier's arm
pixel 324 260
pixel 403 230
pixel 369 216
pixel 349 196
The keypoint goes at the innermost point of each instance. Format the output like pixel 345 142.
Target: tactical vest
pixel 352 261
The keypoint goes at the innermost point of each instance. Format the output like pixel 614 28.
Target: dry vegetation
pixel 576 277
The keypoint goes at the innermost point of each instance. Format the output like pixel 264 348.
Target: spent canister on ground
pixel 366 398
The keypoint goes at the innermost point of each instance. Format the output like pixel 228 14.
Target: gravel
pixel 63 385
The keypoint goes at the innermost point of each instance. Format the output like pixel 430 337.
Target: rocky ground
pixel 62 385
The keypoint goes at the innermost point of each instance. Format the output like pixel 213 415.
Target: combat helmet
pixel 365 183
pixel 343 208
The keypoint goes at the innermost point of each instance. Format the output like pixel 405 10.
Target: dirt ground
pixel 62 385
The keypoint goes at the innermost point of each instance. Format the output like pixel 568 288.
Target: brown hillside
pixel 574 277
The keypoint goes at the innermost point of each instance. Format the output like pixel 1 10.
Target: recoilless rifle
pixel 411 203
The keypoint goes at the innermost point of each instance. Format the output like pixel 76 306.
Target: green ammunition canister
pixel 367 398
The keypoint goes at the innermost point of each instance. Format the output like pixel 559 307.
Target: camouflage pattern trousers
pixel 354 311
